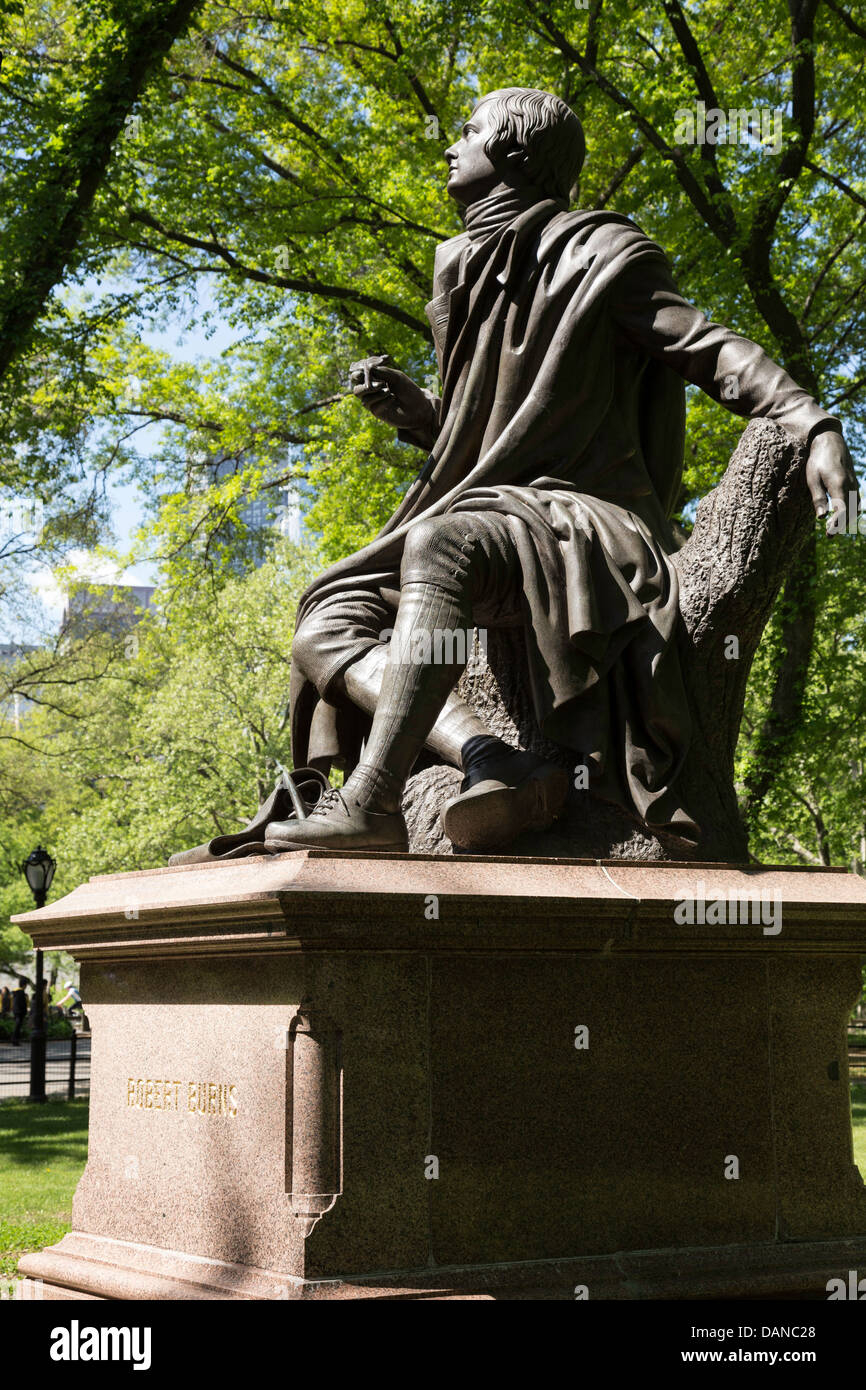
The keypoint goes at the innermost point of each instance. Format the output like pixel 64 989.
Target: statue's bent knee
pixel 438 550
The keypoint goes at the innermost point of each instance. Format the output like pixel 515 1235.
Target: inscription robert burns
pixel 202 1097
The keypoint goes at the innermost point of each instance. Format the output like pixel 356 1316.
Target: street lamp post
pixel 38 868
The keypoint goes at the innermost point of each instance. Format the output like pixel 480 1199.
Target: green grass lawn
pixel 858 1120
pixel 43 1149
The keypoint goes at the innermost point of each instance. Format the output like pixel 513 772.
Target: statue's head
pixel 520 138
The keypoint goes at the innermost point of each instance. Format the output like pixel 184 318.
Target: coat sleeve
pixel 424 436
pixel 652 315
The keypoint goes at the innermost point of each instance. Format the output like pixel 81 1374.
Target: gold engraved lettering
pixel 202 1097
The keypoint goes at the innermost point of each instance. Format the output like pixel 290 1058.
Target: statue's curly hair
pixel 547 130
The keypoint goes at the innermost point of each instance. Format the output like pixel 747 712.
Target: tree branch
pixel 73 175
pixel 793 158
pixel 635 156
pixel 300 284
pixel 846 19
pixel 719 218
pixel 836 182
pixel 828 265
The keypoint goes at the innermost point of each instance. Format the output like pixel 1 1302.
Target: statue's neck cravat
pixel 481 220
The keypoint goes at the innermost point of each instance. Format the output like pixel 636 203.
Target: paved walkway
pixel 15 1068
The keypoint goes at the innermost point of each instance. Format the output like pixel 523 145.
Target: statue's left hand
pixel 830 473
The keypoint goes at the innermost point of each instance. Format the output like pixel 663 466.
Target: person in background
pixel 46 999
pixel 5 1001
pixel 19 1010
pixel 74 996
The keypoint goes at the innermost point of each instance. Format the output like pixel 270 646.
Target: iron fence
pixel 67 1068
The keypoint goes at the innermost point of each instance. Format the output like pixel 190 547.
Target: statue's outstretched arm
pixel 652 314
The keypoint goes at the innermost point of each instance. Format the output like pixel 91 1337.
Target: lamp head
pixel 38 868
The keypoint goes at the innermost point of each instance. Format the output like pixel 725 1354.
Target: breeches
pixel 470 554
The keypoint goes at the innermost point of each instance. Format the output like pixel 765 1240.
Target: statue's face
pixel 471 174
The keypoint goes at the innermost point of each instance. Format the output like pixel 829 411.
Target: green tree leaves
pixel 280 170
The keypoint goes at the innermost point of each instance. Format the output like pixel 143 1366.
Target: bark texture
pixel 747 535
pixel 50 229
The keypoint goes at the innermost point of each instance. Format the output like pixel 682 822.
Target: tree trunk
pixel 747 535
pixel 66 180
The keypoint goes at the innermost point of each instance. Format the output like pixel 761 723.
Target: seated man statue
pixel 555 459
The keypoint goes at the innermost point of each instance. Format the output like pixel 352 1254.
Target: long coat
pixel 564 348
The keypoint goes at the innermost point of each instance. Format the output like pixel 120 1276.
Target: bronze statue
pixel 555 459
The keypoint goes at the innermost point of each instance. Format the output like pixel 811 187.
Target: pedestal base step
pixel 93 1267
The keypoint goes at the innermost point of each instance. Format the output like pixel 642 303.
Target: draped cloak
pixel 562 351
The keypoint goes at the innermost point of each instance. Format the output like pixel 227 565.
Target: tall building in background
pixel 111 608
pixel 292 522
pixel 275 510
pixel 13 704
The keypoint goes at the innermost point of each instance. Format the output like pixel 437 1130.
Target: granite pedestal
pixel 395 1076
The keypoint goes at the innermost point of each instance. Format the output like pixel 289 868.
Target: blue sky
pixel 187 346
pixel 125 498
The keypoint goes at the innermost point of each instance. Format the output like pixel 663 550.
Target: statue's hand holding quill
pixel 390 395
